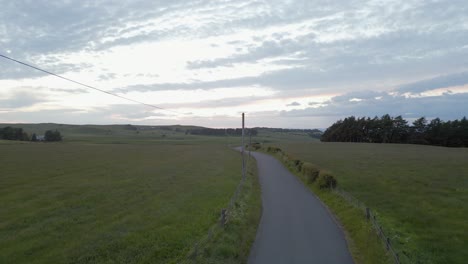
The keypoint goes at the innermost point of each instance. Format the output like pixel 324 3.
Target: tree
pixel 11 133
pixel 400 130
pixel 418 131
pixel 34 137
pixel 52 136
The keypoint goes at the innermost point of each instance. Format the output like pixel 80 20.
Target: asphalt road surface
pixel 295 227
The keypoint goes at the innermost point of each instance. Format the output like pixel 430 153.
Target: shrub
pixel 326 181
pixel 298 164
pixel 256 146
pixel 274 149
pixel 310 171
pixel 52 135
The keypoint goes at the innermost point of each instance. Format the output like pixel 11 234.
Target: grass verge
pixel 232 243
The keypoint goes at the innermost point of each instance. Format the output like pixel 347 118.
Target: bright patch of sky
pixel 298 63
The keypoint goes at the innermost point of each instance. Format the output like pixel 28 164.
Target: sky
pixel 288 63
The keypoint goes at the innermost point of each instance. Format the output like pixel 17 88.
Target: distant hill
pixel 315 133
pixel 123 133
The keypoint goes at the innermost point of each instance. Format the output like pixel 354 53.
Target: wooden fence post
pixel 367 213
pixel 223 217
pixel 195 252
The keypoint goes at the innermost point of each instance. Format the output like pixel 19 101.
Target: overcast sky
pixel 297 64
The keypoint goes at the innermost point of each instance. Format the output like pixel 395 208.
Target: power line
pixel 85 85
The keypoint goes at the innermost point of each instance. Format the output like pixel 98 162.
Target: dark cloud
pixel 361 95
pixel 446 106
pixel 294 104
pixel 69 90
pixel 457 79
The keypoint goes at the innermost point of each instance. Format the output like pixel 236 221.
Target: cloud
pixel 22 99
pixel 294 104
pixel 107 76
pixel 69 90
pixel 446 106
pixel 297 49
pixel 267 49
pixel 118 114
pixel 444 81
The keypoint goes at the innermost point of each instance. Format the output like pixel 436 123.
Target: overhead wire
pixel 85 85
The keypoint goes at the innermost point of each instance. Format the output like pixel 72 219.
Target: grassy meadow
pixel 122 196
pixel 420 193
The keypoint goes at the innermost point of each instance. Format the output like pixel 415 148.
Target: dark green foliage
pixel 221 131
pixel 310 171
pixel 52 136
pixel 315 133
pixel 273 149
pixel 310 132
pixel 298 164
pixel 11 133
pixel 130 127
pixel 34 137
pixel 387 129
pixel 326 181
pixel 256 146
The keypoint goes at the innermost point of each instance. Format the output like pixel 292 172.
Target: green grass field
pixel 419 192
pixel 138 198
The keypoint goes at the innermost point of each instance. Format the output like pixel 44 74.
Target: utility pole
pixel 250 141
pixel 243 145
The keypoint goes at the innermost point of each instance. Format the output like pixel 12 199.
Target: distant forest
pixel 315 133
pixel 387 129
pixel 12 133
pixel 221 131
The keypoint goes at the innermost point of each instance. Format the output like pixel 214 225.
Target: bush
pixel 310 171
pixel 273 149
pixel 256 146
pixel 298 164
pixel 52 135
pixel 326 181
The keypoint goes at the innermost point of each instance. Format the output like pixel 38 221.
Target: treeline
pixel 13 133
pixel 221 131
pixel 315 133
pixel 52 136
pixel 387 129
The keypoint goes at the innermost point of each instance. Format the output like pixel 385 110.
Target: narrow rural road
pixel 295 227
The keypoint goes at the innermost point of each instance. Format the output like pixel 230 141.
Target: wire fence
pixel 371 216
pixel 200 246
